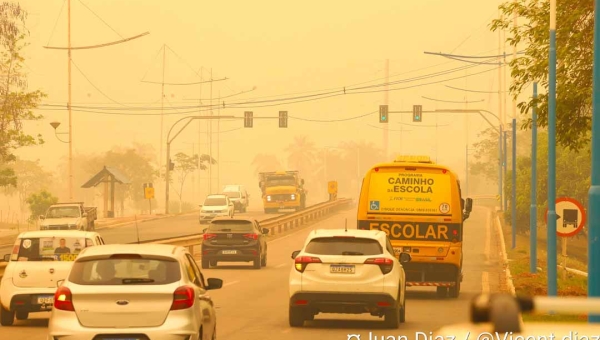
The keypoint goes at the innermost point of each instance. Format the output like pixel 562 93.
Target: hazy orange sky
pixel 279 47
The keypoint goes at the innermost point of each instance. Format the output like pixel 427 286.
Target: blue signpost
pixel 594 193
pixel 533 206
pixel 505 164
pixel 513 204
pixel 500 193
pixel 552 279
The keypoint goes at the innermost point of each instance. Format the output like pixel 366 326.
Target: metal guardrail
pixel 276 225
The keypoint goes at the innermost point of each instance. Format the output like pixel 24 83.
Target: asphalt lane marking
pixel 485 283
pixel 281 265
pixel 230 283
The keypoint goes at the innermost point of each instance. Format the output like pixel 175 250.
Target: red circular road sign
pixel 570 216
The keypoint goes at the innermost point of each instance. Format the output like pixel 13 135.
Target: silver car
pixel 134 291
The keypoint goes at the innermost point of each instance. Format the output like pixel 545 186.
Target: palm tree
pixel 302 155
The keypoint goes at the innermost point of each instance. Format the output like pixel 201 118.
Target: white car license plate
pixel 45 300
pixel 342 269
pixel 229 252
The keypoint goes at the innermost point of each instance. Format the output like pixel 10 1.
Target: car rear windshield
pixel 344 246
pixel 231 225
pixel 214 201
pixel 116 272
pixel 48 248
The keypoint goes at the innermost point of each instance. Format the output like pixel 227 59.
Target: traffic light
pixel 417 113
pixel 248 115
pixel 283 119
pixel 171 165
pixel 383 113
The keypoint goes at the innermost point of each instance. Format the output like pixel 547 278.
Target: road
pixel 161 228
pixel 253 304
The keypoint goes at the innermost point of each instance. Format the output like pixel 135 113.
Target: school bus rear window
pixel 410 192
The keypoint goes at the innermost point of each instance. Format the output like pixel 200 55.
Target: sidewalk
pixel 8 235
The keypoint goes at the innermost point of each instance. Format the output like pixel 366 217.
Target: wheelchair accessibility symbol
pixel 374 205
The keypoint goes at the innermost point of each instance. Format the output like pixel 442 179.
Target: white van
pixel 38 261
pixel 238 195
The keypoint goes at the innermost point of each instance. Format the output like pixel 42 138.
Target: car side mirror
pixel 405 257
pixel 59 283
pixel 213 283
pixel 468 208
pixel 265 231
pixel 200 205
pixel 204 230
pixel 6 258
pixel 295 254
pixel 42 217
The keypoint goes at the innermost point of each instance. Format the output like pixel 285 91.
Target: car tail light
pixel 384 264
pixel 251 236
pixel 63 299
pixel 209 236
pixel 303 261
pixel 183 298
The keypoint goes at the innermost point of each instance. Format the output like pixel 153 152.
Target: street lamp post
pixel 594 193
pixel 551 236
pixel 55 125
pixel 170 140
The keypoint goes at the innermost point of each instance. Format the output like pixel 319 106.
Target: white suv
pixel 38 261
pixel 347 272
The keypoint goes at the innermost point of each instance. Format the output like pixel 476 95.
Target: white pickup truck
pixel 69 216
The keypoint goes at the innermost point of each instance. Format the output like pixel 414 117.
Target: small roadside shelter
pixel 108 175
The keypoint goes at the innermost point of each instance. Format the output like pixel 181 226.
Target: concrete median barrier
pixel 277 225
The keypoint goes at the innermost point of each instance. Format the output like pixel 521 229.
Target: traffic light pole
pixel 170 140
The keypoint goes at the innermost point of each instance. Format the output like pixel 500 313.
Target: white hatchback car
pixel 214 206
pixel 38 261
pixel 347 272
pixel 134 291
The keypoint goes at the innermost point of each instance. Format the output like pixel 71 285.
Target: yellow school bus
pixel 418 204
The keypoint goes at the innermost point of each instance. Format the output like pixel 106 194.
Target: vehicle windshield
pixel 62 212
pixel 115 272
pixel 344 246
pixel 33 249
pixel 231 225
pixel 281 181
pixel 215 201
pixel 232 194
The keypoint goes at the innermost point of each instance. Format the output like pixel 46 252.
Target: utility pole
pixel 502 119
pixel 210 178
pixel 70 101
pixel 219 144
pixel 386 102
pixel 69 49
pixel 162 107
pixel 199 171
pixel 594 192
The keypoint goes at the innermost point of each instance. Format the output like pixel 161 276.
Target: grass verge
pixel 529 284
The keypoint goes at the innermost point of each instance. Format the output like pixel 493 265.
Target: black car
pixel 234 239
